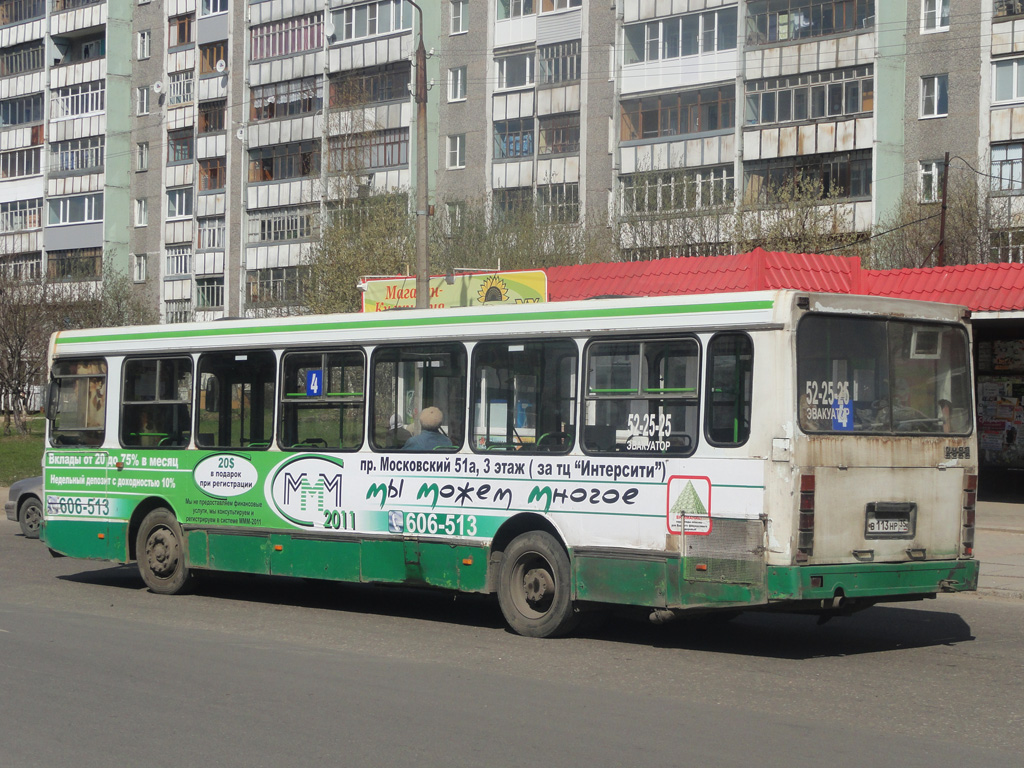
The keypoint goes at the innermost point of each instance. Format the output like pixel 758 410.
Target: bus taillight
pixel 969 513
pixel 805 525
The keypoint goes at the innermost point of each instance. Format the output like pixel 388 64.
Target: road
pixel 97 671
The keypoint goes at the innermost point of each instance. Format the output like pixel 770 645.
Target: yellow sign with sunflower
pixel 462 290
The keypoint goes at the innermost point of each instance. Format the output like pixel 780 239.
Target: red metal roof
pixel 979 286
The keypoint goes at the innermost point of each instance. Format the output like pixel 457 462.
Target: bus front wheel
pixel 534 586
pixel 161 554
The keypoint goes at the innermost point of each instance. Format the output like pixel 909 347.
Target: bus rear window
pixel 642 396
pixel 78 402
pixel 876 376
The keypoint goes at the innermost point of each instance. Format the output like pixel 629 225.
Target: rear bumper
pixel 871 580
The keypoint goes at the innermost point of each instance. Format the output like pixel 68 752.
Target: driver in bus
pixel 430 436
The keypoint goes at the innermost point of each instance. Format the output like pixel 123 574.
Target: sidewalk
pixel 998 544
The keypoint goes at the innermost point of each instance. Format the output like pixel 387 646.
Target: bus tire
pixel 30 517
pixel 534 586
pixel 160 552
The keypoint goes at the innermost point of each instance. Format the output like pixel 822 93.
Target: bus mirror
pixel 50 404
pixel 212 392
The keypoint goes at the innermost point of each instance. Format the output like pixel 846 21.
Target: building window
pixel 558 203
pixel 1007 170
pixel 179 88
pixel 213 172
pixel 559 63
pixel 515 71
pixel 457 151
pixel 842 175
pixel 676 191
pixel 212 54
pixel 1007 246
pixel 285 161
pixel 690 35
pixel 372 19
pixel 142 100
pixel 375 85
pixel 1008 8
pixel 18 215
pixel 22 59
pixel 181 146
pixel 287 99
pixel 211 233
pixel 287 37
pixel 142 156
pixel 141 212
pixel 935 96
pixel 678 114
pixel 23 268
pixel 75 264
pixel 78 100
pixel 179 260
pixel 22 110
pixel 514 9
pixel 76 210
pixel 210 7
pixel 559 134
pixel 77 155
pixel 210 292
pixel 211 116
pixel 179 30
pixel 932 172
pixel 935 16
pixel 511 203
pixel 1008 80
pixel 178 310
pixel 282 224
pixel 21 162
pixel 144 39
pixel 838 93
pixel 278 285
pixel 460 17
pixel 359 152
pixel 457 84
pixel 774 21
pixel 139 271
pixel 179 203
pixel 513 138
pixel 547 6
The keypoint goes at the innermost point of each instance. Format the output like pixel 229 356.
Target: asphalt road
pixel 96 671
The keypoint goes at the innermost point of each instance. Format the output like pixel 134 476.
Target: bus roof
pixel 746 310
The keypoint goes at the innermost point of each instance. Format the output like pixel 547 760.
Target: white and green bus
pixel 779 449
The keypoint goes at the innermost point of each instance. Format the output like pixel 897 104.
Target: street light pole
pixel 422 202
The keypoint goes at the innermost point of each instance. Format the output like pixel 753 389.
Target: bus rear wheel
pixel 534 586
pixel 160 551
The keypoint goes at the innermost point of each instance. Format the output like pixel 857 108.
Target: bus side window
pixel 322 401
pixel 156 403
pixel 524 396
pixel 729 389
pixel 78 412
pixel 409 379
pixel 243 414
pixel 642 396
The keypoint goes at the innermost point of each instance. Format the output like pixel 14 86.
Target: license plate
pixel 890 520
pixel 889 525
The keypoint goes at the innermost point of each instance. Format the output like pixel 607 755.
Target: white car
pixel 25 504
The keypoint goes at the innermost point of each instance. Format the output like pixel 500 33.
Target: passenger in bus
pixel 430 436
pixel 397 435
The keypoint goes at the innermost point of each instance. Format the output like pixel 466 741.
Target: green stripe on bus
pixel 427 321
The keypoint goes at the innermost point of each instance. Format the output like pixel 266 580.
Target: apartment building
pixel 197 144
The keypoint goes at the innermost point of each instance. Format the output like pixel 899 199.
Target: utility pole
pixel 422 202
pixel 942 218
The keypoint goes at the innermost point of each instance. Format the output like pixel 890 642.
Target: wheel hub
pixel 162 552
pixel 537 584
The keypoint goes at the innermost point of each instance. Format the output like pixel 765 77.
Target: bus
pixel 777 449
